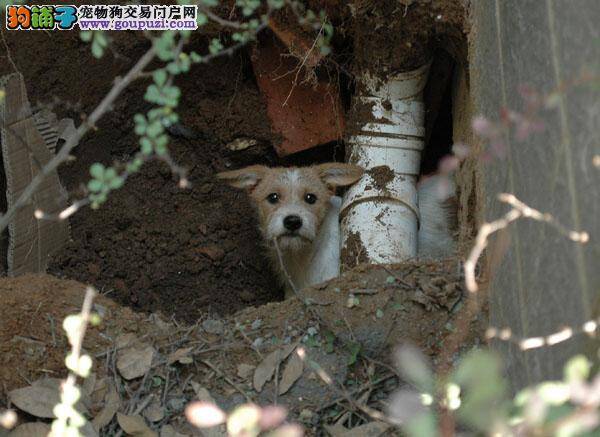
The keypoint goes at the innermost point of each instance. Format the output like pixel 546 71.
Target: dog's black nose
pixel 292 222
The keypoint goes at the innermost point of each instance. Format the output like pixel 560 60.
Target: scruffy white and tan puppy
pixel 298 208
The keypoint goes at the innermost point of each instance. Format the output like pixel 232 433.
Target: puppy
pixel 297 207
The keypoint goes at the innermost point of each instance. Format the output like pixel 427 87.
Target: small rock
pixel 205 188
pixel 213 326
pixel 245 371
pixel 306 416
pixel 241 144
pixel 214 252
pixel 176 404
pixel 94 269
pixel 256 324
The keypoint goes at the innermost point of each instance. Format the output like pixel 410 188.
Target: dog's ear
pixel 246 178
pixel 339 174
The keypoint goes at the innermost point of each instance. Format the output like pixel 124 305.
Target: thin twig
pixel 301 66
pixel 518 210
pixel 285 272
pixel 226 378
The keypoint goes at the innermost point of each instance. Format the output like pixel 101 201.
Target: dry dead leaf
pixel 134 358
pixel 112 403
pixel 89 384
pixel 202 394
pixel 180 355
pixel 100 390
pixel 135 426
pixel 36 400
pixel 160 323
pixel 88 430
pixel 33 429
pixel 154 412
pixel 293 370
pixel 244 371
pixel 266 369
pixel 54 384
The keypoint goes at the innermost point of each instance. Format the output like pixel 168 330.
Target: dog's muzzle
pixel 292 223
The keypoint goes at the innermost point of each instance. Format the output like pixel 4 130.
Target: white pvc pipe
pixel 381 220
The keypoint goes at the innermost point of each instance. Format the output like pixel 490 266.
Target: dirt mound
pixel 348 327
pixel 32 341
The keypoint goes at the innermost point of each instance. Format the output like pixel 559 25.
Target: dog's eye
pixel 273 198
pixel 310 198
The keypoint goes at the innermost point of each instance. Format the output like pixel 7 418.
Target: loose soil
pixel 152 245
pixel 392 36
pixel 381 176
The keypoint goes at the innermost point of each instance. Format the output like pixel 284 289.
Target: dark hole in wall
pixel 333 151
pixel 438 112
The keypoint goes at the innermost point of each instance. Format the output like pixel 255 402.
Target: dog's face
pixel 292 202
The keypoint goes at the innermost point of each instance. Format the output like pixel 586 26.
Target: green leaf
pixel 97 170
pixel 152 94
pixel 354 349
pixel 86 35
pixel 195 57
pixel 185 64
pixel 577 369
pixel 146 146
pixel 101 39
pixel 110 174
pixel 161 141
pixel 139 129
pixel 173 68
pixel 94 185
pixel 160 150
pixel 276 4
pixel 480 379
pixel 160 77
pixel 554 392
pixel 139 119
pixel 201 19
pixel 97 50
pixel 155 113
pixel 154 129
pixel 116 183
pixel 135 165
pixel 215 46
pixel 171 92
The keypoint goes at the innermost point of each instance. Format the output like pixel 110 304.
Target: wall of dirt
pixel 469 175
